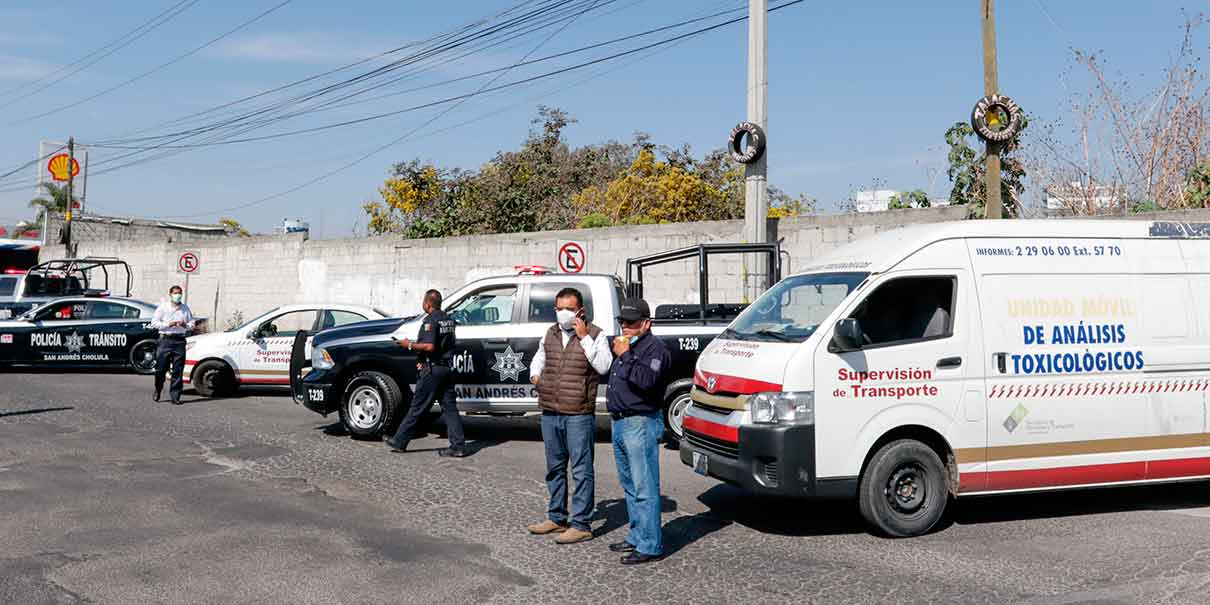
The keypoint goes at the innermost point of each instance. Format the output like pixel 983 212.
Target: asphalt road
pixel 108 497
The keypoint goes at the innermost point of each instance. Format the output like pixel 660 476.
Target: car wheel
pixel 904 489
pixel 674 416
pixel 142 357
pixel 213 379
pixel 370 404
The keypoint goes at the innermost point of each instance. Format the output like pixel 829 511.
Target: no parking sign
pixel 572 258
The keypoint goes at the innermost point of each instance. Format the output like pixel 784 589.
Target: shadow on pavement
pixel 37 411
pixel 995 509
pixel 613 513
pixel 782 516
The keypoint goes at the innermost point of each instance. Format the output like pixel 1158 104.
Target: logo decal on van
pixel 711 383
pixel 1014 419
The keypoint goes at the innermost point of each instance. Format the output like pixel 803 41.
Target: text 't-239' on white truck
pixel 969 358
pixel 360 371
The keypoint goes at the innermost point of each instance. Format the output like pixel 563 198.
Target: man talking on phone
pixel 567 369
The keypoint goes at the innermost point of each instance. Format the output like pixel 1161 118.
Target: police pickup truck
pixel 361 373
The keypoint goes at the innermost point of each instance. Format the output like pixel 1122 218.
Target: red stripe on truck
pixel 712 429
pixel 732 384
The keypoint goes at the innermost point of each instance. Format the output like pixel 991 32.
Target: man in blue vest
pixel 635 399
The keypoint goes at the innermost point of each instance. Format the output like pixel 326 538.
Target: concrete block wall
pixel 254 274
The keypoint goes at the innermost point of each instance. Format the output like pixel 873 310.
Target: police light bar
pixel 531 270
pixel 14 271
pixel 96 293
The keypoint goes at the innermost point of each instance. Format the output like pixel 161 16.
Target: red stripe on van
pixel 712 429
pixel 732 384
pixel 1085 475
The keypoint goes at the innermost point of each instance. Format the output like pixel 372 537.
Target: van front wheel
pixel 903 490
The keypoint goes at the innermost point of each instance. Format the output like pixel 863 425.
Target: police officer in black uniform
pixel 434 378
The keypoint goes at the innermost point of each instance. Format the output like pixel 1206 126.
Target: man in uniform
pixel 635 399
pixel 174 320
pixel 434 378
pixel 567 369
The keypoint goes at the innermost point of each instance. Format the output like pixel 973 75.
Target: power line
pixel 396 140
pixel 157 68
pixel 235 121
pixel 117 44
pixel 653 49
pixel 411 59
pixel 446 82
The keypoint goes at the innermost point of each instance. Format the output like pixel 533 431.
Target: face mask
pixel 565 317
pixel 176 298
pixel 634 339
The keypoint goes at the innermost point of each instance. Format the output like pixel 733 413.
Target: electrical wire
pixel 157 68
pixel 89 60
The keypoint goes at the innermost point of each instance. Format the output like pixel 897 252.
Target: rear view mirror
pixel 846 337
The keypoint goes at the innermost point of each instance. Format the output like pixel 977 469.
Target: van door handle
pixel 949 362
pixel 496 341
pixel 1001 362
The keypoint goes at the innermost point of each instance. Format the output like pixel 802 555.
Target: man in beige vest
pixel 567 369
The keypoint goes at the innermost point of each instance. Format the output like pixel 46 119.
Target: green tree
pixel 967 168
pixel 915 198
pixel 53 200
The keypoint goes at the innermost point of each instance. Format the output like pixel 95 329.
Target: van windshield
pixel 792 309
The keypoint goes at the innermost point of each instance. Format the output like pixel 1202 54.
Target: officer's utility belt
pixel 443 363
pixel 180 337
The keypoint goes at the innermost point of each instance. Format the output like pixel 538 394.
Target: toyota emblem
pixel 711 382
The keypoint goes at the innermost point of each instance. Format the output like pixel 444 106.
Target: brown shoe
pixel 573 535
pixel 545 527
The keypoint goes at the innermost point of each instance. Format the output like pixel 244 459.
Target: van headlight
pixel 783 407
pixel 321 360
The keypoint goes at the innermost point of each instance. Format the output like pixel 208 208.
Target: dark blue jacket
pixel 638 378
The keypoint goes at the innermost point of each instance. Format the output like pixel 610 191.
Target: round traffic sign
pixel 188 263
pixel 572 258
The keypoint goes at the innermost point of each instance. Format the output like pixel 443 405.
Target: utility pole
pixel 991 86
pixel 756 174
pixel 71 179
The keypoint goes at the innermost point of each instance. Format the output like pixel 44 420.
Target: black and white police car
pixel 81 332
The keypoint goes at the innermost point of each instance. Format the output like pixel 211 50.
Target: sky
pixel 859 92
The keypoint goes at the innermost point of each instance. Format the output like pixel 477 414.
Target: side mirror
pixel 253 334
pixel 846 337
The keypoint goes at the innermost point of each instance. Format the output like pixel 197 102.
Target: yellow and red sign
pixel 58 167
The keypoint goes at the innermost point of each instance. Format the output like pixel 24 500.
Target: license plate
pixel 315 394
pixel 700 462
pixel 5 314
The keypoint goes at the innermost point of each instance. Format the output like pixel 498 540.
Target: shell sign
pixel 58 167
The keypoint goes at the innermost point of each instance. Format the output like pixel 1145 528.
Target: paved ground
pixel 107 497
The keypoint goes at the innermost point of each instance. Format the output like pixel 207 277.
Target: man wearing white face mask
pixel 567 369
pixel 174 320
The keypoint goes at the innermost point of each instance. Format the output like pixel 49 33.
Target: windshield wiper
pixel 775 335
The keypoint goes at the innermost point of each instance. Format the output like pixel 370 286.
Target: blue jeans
pixel 569 438
pixel 636 448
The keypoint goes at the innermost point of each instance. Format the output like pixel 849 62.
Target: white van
pixel 966 358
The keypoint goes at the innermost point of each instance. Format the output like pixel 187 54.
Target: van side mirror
pixel 846 337
pixel 253 334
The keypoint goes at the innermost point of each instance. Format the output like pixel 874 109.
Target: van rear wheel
pixel 903 491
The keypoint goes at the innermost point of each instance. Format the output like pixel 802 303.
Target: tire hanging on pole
pixel 756 142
